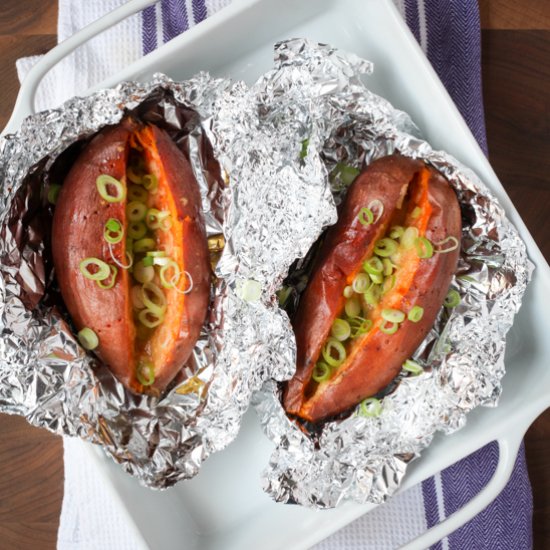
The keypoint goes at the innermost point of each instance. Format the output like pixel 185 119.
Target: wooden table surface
pixel 516 75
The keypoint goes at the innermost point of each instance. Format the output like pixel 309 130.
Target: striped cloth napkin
pixel 449 33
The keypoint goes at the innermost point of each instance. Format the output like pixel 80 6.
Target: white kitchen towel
pixel 448 31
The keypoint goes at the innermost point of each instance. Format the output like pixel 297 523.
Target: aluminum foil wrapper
pixel 259 197
pixel 361 458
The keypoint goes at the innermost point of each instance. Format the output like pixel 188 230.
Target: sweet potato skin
pixel 380 356
pixel 78 225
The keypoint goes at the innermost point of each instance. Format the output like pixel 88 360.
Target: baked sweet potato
pixel 146 225
pixel 382 274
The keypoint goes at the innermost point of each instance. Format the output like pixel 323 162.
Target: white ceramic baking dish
pixel 224 507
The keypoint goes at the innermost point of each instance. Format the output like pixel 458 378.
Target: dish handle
pixel 24 105
pixel 508 446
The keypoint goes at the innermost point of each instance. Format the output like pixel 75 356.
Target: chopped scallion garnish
pixel 424 247
pixel 365 216
pixel 452 299
pixel 341 330
pixel 321 372
pixel 413 367
pixel 415 314
pixel 371 407
pixel 101 271
pixel 385 247
pixel 145 372
pixel 334 352
pixel 88 338
pixel 110 188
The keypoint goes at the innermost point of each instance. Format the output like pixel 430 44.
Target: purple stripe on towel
pixel 199 11
pixel 411 17
pixel 431 508
pixel 506 523
pixel 174 18
pixel 149 30
pixel 454 50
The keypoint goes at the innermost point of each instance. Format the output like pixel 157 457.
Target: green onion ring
pixel 365 216
pixel 133 175
pixel 138 194
pixel 145 315
pixel 348 291
pixel 361 283
pixel 88 338
pixel 144 245
pixel 376 278
pixel 370 407
pixel 388 267
pixel 136 211
pixel 150 182
pixel 415 314
pixel 452 299
pixel 359 326
pixel 385 247
pixel 389 283
pixel 389 328
pixel 129 256
pixel 413 367
pixel 113 232
pixel 352 307
pixel 393 315
pixel 346 172
pixel 340 330
pixel 424 248
pixel 378 205
pixel 321 372
pixel 137 230
pixel 174 280
pixel 145 372
pixel 112 282
pixel 416 212
pixel 102 182
pixel 143 273
pixel 148 261
pixel 372 296
pixel 158 307
pixel 396 232
pixel 374 266
pixel 53 192
pixel 334 346
pixel 102 272
pixel 451 239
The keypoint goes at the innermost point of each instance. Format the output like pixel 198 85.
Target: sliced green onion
pixel 153 298
pixel 129 256
pixel 388 327
pixel 144 245
pixel 416 212
pixel 340 330
pixel 409 236
pixel 388 267
pixel 133 175
pixel 361 283
pixel 143 273
pixel 372 296
pixel 137 230
pixel 112 281
pixel 374 266
pixel 371 407
pixel 136 193
pixel 321 372
pixel 413 367
pixel 113 232
pixel 158 219
pixel 88 338
pixel 303 151
pixel 150 183
pixel 452 299
pixel 393 315
pixel 150 319
pixel 396 232
pixel 145 372
pixel 346 172
pixel 415 314
pixel 365 216
pixel 156 253
pixel 352 307
pixel 449 239
pixel 389 283
pixel 102 269
pixel 172 281
pixel 136 211
pixel 424 247
pixel 53 192
pixel 334 352
pixel 104 182
pixel 148 261
pixel 359 326
pixel 348 292
pixel 376 278
pixel 385 247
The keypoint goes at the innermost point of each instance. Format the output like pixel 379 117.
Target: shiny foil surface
pixel 264 206
pixel 361 458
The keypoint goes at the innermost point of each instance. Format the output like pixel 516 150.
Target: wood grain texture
pixel 516 69
pixel 515 14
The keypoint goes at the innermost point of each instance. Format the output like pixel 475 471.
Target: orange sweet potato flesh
pixel 78 225
pixel 375 358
